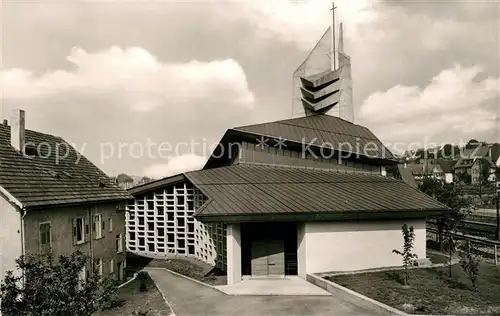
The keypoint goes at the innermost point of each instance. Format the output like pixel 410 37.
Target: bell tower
pixel 322 84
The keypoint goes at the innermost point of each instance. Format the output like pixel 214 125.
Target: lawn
pixel 431 291
pixel 192 269
pixel 189 267
pixel 134 300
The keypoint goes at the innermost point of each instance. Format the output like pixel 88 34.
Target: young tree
pixel 54 288
pixel 449 223
pixel 469 261
pixel 409 258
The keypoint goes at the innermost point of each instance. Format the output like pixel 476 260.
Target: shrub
pixel 54 288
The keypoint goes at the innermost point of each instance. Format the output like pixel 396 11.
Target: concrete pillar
pixel 301 250
pixel 233 253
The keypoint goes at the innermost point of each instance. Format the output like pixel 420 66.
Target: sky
pixel 148 87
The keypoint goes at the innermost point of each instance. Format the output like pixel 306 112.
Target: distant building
pixel 443 170
pixel 473 160
pixel 53 200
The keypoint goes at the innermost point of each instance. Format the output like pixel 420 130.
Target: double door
pixel 268 257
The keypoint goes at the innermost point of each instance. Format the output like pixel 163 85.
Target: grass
pixel 192 269
pixel 134 300
pixel 431 291
pixel 189 267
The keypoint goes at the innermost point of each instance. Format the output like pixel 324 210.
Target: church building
pixel 292 197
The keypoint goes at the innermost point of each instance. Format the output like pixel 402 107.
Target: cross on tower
pixel 333 53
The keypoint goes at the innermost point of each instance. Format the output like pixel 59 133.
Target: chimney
pixel 17 125
pixel 5 123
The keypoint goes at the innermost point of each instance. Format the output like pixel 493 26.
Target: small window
pixel 112 266
pixel 79 230
pixel 45 238
pixel 110 224
pixel 98 266
pixel 97 226
pixel 119 243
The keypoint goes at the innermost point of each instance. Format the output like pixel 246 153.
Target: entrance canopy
pixel 245 192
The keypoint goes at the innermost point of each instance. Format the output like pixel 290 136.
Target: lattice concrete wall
pixel 160 224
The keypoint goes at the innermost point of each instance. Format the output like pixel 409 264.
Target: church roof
pixel 323 131
pixel 259 191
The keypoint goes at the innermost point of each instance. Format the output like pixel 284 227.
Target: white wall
pixel 301 250
pixel 448 177
pixel 10 237
pixel 349 246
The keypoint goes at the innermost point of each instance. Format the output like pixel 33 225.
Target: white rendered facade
pixel 335 246
pixel 160 224
pixel 10 237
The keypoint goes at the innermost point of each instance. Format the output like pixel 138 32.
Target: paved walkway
pixel 289 285
pixel 189 298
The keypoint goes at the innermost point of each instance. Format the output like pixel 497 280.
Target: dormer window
pixel 30 150
pixel 101 184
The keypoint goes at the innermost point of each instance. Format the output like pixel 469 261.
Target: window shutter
pixel 41 237
pixel 74 231
pixel 49 236
pixel 87 230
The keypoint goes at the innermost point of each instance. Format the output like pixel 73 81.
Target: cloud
pixel 457 101
pixel 175 165
pixel 303 22
pixel 134 77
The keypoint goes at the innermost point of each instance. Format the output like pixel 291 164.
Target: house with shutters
pixel 54 200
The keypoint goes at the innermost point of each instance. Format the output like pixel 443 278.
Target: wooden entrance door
pixel 268 257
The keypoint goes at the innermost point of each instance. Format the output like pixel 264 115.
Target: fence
pixel 488 249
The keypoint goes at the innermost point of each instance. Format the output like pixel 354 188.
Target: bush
pixel 54 287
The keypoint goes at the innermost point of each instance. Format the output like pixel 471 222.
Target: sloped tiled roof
pixel 407 176
pixel 256 189
pixel 324 131
pixel 46 180
pixel 416 169
pixel 446 165
pixel 469 156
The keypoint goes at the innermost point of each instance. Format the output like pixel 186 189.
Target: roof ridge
pixel 290 122
pixel 36 132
